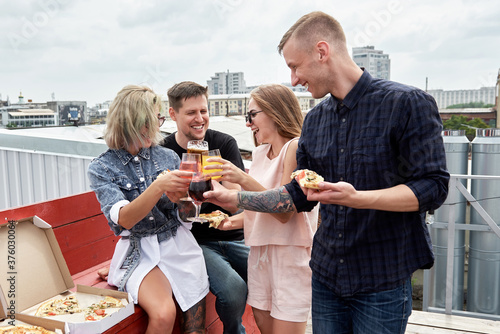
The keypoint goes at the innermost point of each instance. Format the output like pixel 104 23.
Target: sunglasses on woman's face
pixel 251 115
pixel 161 120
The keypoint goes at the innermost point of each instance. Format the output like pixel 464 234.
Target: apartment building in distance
pixel 445 98
pixel 374 61
pixel 237 104
pixel 227 83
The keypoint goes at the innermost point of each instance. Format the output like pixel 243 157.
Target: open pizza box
pixel 9 318
pixel 37 272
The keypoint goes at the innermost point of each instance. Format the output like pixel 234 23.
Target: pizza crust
pixel 214 218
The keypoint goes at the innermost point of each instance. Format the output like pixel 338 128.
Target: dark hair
pixel 183 91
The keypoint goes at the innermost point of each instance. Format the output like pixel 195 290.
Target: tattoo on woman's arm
pixel 270 201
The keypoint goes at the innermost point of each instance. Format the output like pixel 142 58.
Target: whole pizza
pixel 23 329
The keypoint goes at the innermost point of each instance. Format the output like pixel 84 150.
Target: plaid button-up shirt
pixel 382 134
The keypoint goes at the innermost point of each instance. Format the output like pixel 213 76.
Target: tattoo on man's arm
pixel 270 201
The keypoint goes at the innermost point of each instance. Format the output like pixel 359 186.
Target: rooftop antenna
pixel 53 96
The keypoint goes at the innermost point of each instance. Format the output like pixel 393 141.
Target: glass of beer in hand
pixel 190 163
pixel 207 155
pixel 197 146
pixel 199 184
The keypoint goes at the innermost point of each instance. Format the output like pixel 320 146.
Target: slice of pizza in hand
pixel 215 218
pixel 307 178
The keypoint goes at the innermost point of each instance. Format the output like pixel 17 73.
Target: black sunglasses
pixel 161 120
pixel 248 118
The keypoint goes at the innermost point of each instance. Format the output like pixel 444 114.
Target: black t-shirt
pixel 228 150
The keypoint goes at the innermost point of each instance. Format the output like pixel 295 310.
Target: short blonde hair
pixel 311 28
pixel 282 106
pixel 133 109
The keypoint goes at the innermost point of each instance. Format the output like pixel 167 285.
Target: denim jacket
pixel 117 175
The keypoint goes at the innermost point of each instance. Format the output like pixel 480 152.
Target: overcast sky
pixel 88 50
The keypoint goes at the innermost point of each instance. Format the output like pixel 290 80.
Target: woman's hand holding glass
pixel 174 184
pixel 206 161
pixel 222 170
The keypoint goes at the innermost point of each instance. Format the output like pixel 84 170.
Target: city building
pixel 227 83
pixel 228 104
pixel 52 113
pixel 445 98
pixel 26 114
pixel 13 116
pixel 237 104
pixel 70 112
pixel 374 61
pixel 298 88
pixel 497 98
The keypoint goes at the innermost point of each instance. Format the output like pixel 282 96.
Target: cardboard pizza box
pixel 4 314
pixel 9 318
pixel 36 271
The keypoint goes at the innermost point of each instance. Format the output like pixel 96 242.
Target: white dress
pixel 179 258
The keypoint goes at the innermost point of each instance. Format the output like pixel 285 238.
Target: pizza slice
pixel 97 311
pixel 307 178
pixel 110 302
pixel 214 218
pixel 22 329
pixel 94 314
pixel 68 305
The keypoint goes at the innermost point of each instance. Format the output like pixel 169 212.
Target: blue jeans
pixel 364 313
pixel 226 263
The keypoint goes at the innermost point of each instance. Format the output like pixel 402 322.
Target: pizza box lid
pixel 35 269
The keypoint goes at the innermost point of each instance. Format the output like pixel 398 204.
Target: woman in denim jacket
pixel 157 258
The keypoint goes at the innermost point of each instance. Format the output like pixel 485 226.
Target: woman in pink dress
pixel 279 277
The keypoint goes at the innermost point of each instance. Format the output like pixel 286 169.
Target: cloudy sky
pixel 88 50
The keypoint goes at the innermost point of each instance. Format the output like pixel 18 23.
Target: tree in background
pixel 470 105
pixel 461 123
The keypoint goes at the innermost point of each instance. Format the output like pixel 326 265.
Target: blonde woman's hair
pixel 281 105
pixel 133 109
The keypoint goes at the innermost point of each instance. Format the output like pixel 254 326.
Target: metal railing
pixel 492 227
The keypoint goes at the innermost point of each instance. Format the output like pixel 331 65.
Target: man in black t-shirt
pixel 224 251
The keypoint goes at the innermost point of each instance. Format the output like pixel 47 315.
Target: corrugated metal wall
pixel 28 177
